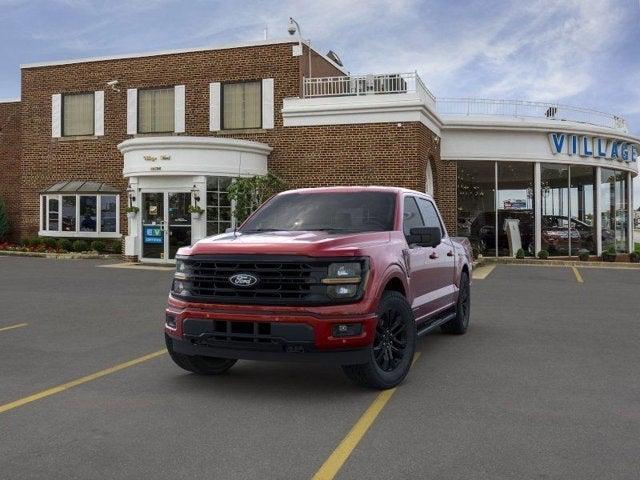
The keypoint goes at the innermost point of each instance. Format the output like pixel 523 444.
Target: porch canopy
pixel 81 186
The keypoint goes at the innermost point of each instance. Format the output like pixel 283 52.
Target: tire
pixel 391 352
pixel 460 323
pixel 199 364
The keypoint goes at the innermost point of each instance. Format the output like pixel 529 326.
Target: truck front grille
pixel 280 280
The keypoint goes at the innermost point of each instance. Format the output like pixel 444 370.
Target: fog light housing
pixel 170 321
pixel 342 291
pixel 347 330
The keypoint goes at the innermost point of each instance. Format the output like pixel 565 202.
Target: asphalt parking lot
pixel 544 385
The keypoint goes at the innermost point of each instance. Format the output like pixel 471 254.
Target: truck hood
pixel 288 243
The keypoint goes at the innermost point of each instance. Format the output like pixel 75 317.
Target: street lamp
pixel 292 29
pixel 195 193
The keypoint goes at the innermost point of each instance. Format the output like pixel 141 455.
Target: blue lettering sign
pixel 601 147
pixel 573 146
pixel 557 141
pixel 624 151
pixel 634 153
pixel 153 235
pixel 614 150
pixel 586 147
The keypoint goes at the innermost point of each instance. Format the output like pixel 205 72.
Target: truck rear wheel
pixel 199 364
pixel 460 323
pixel 393 347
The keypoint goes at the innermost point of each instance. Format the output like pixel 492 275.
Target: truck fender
pixel 394 272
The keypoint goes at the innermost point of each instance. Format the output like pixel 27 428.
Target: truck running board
pixel 433 323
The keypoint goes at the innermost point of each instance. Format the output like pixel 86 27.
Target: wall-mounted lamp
pixel 195 193
pixel 132 194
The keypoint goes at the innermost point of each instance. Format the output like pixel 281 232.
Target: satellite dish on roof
pixel 334 57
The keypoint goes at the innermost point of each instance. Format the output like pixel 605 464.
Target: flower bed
pixel 45 246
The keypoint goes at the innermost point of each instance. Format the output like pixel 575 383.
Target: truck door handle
pixel 433 255
pixel 450 253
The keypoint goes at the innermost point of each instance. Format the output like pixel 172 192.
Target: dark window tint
pixel 429 214
pixel 352 212
pixel 411 217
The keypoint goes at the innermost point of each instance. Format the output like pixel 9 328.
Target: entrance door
pixel 166 224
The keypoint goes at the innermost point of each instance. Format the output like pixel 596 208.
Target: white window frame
pixel 44 216
pixel 93 118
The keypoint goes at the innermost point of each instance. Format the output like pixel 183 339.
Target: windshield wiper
pixel 260 230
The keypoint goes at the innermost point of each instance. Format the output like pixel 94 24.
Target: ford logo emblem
pixel 243 280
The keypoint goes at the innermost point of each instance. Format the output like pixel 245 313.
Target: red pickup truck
pixel 347 275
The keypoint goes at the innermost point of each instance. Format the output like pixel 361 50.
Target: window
pixel 411 217
pixel 242 105
pixel 516 222
pixel 69 213
pixel 108 213
pixel 477 205
pixel 76 215
pixel 78 114
pixel 156 110
pixel 614 211
pixel 218 205
pixel 429 214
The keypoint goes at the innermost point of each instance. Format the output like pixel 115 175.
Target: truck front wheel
pixel 199 364
pixel 393 347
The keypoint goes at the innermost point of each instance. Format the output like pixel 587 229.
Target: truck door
pixel 421 280
pixel 441 260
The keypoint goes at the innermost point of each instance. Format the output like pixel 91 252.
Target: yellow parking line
pixel 334 463
pixel 74 383
pixel 578 275
pixel 11 327
pixel 482 272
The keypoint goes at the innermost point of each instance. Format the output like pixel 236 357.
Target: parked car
pixel 350 276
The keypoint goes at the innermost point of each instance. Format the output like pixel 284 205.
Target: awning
pixel 81 186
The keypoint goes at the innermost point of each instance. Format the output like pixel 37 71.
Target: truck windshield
pixel 333 212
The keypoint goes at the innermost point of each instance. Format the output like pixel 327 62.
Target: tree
pixel 248 193
pixel 4 221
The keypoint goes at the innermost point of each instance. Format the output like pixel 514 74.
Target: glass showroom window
pixel 78 114
pixel 555 208
pixel 613 205
pixel 477 205
pixel 241 105
pixel 156 110
pixel 582 209
pixel 78 215
pixel 515 203
pixel 218 205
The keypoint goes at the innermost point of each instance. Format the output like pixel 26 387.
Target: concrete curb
pixel 557 263
pixel 60 256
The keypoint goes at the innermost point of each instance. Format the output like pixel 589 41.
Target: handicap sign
pixel 153 235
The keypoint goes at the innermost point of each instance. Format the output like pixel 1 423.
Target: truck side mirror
pixel 424 236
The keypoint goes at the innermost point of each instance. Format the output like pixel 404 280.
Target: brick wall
pixel 365 154
pixel 9 160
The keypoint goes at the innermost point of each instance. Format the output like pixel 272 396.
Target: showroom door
pixel 166 224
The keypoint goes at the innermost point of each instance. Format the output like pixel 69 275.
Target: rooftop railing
pixel 356 85
pixel 526 109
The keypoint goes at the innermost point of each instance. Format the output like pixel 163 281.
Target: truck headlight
pixel 182 269
pixel 181 287
pixel 343 279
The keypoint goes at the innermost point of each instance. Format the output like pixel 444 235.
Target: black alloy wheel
pixel 390 344
pixel 459 324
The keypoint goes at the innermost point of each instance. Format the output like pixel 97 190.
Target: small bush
pixel 49 242
pixel 80 246
pixel 98 246
pixel 543 254
pixel 583 254
pixel 520 253
pixel 65 244
pixel 36 241
pixel 115 246
pixel 634 257
pixel 25 242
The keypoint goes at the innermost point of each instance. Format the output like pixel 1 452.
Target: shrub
pixel 543 254
pixel 35 241
pixel 4 221
pixel 25 242
pixel 98 246
pixel 610 254
pixel 634 257
pixel 49 242
pixel 80 246
pixel 520 253
pixel 115 246
pixel 65 244
pixel 583 254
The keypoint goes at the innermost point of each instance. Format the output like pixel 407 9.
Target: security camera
pixel 292 27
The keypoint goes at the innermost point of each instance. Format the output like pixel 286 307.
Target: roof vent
pixel 334 57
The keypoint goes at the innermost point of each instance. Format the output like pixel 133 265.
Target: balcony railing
pixel 356 85
pixel 526 109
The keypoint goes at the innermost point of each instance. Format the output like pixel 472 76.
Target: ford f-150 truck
pixel 347 275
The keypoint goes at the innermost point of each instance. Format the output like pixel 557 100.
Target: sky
pixel 577 52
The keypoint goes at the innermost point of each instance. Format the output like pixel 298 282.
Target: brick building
pixel 162 131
